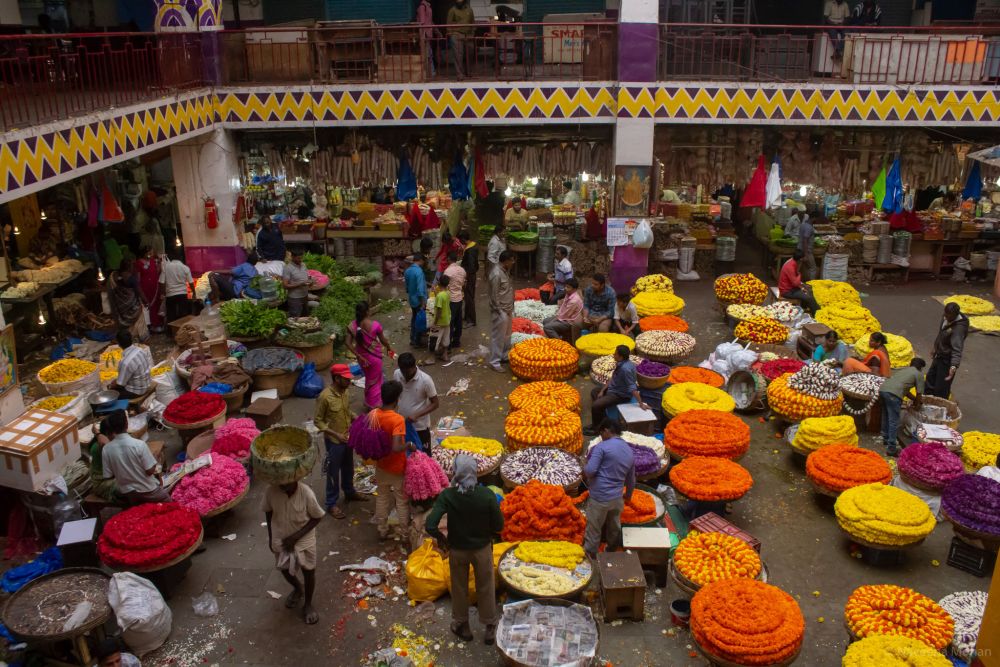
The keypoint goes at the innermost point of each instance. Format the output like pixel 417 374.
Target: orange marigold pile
pixel 841 467
pixel 763 330
pixel 663 323
pixel 707 433
pixel 640 509
pixel 544 427
pixel 536 511
pixel 545 395
pixel 710 479
pixel 544 359
pixel 797 406
pixel 680 374
pixel 706 557
pixel 884 609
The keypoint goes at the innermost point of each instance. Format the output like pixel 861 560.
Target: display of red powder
pixel 193 407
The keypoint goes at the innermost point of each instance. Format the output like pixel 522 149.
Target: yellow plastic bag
pixel 427 576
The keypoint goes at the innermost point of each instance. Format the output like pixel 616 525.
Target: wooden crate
pixel 623 586
pixel 713 523
pixel 35 447
pixel 400 69
pixel 652 544
pixel 265 412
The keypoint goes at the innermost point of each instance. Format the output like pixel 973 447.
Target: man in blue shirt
pixel 598 305
pixel 621 388
pixel 610 466
pixel 416 292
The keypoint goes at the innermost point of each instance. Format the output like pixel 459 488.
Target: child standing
pixel 442 317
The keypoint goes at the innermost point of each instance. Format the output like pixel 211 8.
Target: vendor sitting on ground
pixel 790 284
pixel 232 283
pixel 621 388
pixel 831 347
pixel 563 271
pixel 109 653
pixel 626 316
pixel 297 282
pixel 875 362
pixel 565 323
pixel 130 463
pixel 598 304
pixel 134 378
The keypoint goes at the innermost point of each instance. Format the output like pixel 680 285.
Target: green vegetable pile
pixel 247 319
pixel 523 238
pixel 338 302
pixel 350 266
pixel 388 305
pixel 324 264
pixel 325 335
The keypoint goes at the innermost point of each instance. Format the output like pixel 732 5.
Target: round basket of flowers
pixel 662 323
pixel 763 330
pixel 648 304
pixel 708 479
pixel 836 468
pixel 816 432
pixel 533 427
pixel 195 409
pixel 681 374
pixel 794 406
pixel 213 489
pixel 883 517
pixel 651 374
pixel 702 558
pixel 544 394
pixel 149 537
pixel 488 453
pixel 544 359
pixel 851 321
pixel 707 433
pixel 740 288
pixel 545 464
pixel 603 367
pixel 885 609
pixel 664 346
pixel 892 650
pixel 655 282
pixel 929 466
pixel 686 396
pixel 972 505
pixel 537 511
pixel 979 449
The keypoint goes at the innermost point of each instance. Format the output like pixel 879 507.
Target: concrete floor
pixel 807 555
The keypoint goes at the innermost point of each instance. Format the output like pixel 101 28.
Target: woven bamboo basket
pixel 225 507
pixel 649 382
pixel 172 562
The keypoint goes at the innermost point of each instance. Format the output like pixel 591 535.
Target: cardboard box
pixel 814 331
pixel 265 412
pixel 35 447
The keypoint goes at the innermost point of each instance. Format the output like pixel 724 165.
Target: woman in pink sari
pixel 366 343
pixel 147 270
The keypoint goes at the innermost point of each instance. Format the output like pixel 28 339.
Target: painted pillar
pixel 638 40
pixel 203 167
pixel 195 26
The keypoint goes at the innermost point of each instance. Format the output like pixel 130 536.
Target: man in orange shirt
pixel 790 283
pixel 389 470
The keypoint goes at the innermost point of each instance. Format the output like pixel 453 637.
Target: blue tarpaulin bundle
pixel 49 560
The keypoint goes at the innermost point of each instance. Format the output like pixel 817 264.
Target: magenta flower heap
pixel 929 465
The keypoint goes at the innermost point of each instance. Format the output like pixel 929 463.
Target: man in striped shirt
pixel 134 376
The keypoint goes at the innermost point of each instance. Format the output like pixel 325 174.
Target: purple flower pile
pixel 931 464
pixel 652 369
pixel 973 501
pixel 646 462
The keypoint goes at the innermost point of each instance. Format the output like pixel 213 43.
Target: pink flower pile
pixel 233 438
pixel 319 279
pixel 930 463
pixel 212 486
pixel 424 477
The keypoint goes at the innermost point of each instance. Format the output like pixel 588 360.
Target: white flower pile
pixel 534 310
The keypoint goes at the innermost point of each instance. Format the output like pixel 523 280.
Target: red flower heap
pixel 148 535
pixel 194 407
pixel 777 367
pixel 526 326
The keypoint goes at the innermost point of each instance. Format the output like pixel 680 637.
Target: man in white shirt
pixel 175 277
pixel 134 377
pixel 131 464
pixel 456 295
pixel 572 197
pixel 297 281
pixel 419 398
pixel 836 13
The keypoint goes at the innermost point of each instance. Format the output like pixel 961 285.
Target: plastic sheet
pixel 278 358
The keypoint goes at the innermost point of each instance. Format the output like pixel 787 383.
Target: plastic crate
pixel 968 558
pixel 713 523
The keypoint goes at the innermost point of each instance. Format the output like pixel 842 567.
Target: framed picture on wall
pixel 8 360
pixel 631 191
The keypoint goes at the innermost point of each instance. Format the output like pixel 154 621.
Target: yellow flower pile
pixel 159 370
pixel 108 374
pixel 54 403
pixel 656 282
pixel 481 446
pixel 850 320
pixel 971 305
pixel 686 396
pixel 601 344
pixel 111 357
pixel 556 553
pixel 884 515
pixel 832 291
pixel 66 370
pixel 985 322
pixel 539 582
pixel 657 303
pixel 892 651
pixel 900 350
pixel 745 311
pixel 816 432
pixel 979 449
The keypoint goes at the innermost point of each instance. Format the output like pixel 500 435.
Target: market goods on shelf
pixel 706 557
pixel 544 394
pixel 989 323
pixel 656 282
pixel 827 292
pixel 929 465
pixel 657 303
pixel 710 479
pixel 777 367
pixel 686 396
pixel 836 468
pixel 816 432
pixel 884 515
pixel 971 305
pixel 966 609
pixel 818 380
pixel 794 405
pixel 745 311
pixel 707 433
pixel 149 535
pixel 850 321
pixel 747 622
pixel 445 458
pixel 681 374
pixel 862 384
pixel 972 502
pixel 468 444
pixel 884 609
pixel 532 427
pixel 603 367
pixel 601 344
pixel 556 553
pixel 537 511
pixel 763 330
pixel 538 581
pixel 664 345
pixel 545 464
pixel 892 651
pixel 544 359
pixel 900 350
pixel 212 486
pixel 662 323
pixel 979 449
pixel 740 288
pixel 66 370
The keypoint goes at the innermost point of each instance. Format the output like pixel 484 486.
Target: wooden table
pixel 365 233
pixel 870 270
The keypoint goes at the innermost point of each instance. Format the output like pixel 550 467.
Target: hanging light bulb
pixel 802 191
pixel 584 177
pixel 508 192
pixel 177 242
pixel 41 318
pixel 44 216
pixel 534 180
pixel 100 275
pixel 17 232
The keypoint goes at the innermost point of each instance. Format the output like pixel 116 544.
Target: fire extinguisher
pixel 211 213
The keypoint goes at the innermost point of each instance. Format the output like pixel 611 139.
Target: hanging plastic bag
pixel 642 237
pixel 110 210
pixel 93 209
pixel 309 384
pixel 426 573
pixel 406 181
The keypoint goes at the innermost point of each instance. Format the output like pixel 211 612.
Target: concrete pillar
pixel 207 167
pixel 638 40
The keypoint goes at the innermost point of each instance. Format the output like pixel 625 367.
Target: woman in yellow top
pixel 875 362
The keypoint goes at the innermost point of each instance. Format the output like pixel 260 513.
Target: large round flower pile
pixel 233 438
pixel 601 344
pixel 546 395
pixel 528 294
pixel 862 384
pixel 657 303
pixel 686 396
pixel 148 535
pixel 548 427
pixel 795 405
pixel 487 457
pixel 885 609
pixel 837 468
pixel 971 305
pixel 833 291
pixel 547 465
pixel 544 359
pixel 194 407
pixel 892 651
pixel 883 515
pixel 850 320
pixel 747 622
pixel 707 433
pixel 900 350
pixel 816 432
pixel 639 509
pixel 710 479
pixel 966 608
pixel 525 326
pixel 537 511
pixel 661 344
pixel 652 369
pixel 990 323
pixel 979 449
pixel 465 444
pixel 783 311
pixel 655 282
pixel 603 367
pixel 706 557
pixel 740 288
pixel 778 367
pixel 212 486
pixel 662 323
pixel 424 478
pixel 818 380
pixel 929 465
pixel 762 330
pixel 973 502
pixel 745 311
pixel 536 311
pixel 681 374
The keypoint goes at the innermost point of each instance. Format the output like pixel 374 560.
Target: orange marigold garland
pixel 707 433
pixel 680 374
pixel 544 359
pixel 747 622
pixel 740 288
pixel 640 509
pixel 545 427
pixel 536 511
pixel 841 467
pixel 545 394
pixel 709 479
pixel 884 609
pixel 706 557
pixel 663 323
pixel 797 406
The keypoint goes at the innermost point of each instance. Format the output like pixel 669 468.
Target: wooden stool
pixel 623 586
pixel 652 545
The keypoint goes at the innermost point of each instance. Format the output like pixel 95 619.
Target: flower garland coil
pixel 885 609
pixel 681 374
pixel 707 433
pixel 979 449
pixel 658 303
pixel 556 553
pixel 797 406
pixel 662 323
pixel 763 330
pixel 686 396
pixel 740 288
pixel 544 359
pixel 545 394
pixel 602 368
pixel 851 321
pixel 662 345
pixel 883 515
pixel 929 465
pixel 531 427
pixel 892 651
pixel 702 558
pixel 966 609
pixel 537 511
pixel 816 432
pixel 899 348
pixel 972 504
pixel 149 536
pixel 545 464
pixel 710 479
pixel 836 468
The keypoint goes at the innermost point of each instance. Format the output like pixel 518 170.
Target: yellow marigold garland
pixel 850 320
pixel 892 651
pixel 544 359
pixel 816 432
pixel 66 370
pixel 972 305
pixel 482 446
pixel 979 449
pixel 601 344
pixel 556 553
pixel 545 394
pixel 833 291
pixel 658 303
pixel 686 396
pixel 883 515
pixel 900 350
pixel 656 282
pixel 530 427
